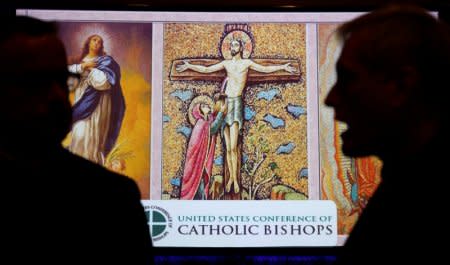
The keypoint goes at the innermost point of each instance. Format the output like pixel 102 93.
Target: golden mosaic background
pixel 281 41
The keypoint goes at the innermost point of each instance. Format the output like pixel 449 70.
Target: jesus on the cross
pixel 237 67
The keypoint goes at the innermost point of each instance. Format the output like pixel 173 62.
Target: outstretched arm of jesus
pixel 199 68
pixel 272 68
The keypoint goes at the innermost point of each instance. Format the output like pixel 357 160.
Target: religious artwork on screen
pixel 347 181
pixel 110 67
pixel 234 112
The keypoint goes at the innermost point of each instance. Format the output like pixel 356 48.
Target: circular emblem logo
pixel 159 222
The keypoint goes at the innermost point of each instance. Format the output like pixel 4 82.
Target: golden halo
pixel 233 35
pixel 199 100
pixel 96 29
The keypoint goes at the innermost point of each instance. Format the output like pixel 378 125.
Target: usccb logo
pixel 159 222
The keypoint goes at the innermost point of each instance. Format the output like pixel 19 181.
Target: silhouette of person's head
pixel 35 108
pixel 393 65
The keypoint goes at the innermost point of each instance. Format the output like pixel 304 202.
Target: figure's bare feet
pixel 228 187
pixel 236 187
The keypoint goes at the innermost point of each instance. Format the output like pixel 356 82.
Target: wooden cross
pixel 253 76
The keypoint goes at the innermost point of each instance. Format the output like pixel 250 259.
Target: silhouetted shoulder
pixel 79 171
pixel 113 202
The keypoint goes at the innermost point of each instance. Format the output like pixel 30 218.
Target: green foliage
pixel 282 188
pixel 245 195
pixel 289 193
pixel 261 127
pixel 295 196
pixel 118 154
pixel 273 166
